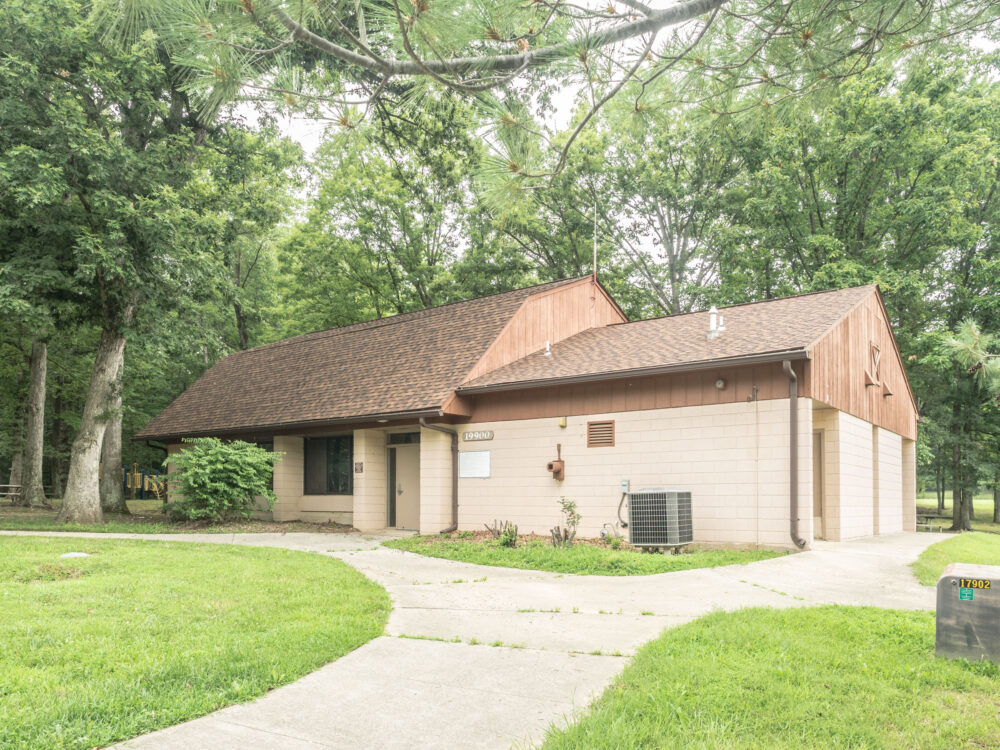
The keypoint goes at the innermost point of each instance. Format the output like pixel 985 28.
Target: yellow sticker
pixel 974 583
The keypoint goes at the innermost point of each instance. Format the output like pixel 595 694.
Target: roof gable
pixel 789 324
pixel 857 367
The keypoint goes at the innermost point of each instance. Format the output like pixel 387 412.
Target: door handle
pixel 399 489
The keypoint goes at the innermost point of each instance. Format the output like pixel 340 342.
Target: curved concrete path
pixel 481 657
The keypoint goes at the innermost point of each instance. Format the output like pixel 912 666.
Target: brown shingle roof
pixel 405 363
pixel 756 328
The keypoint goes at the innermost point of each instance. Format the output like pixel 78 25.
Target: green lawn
pixel 983 504
pixel 826 677
pixel 583 559
pixel 143 635
pixel 970 547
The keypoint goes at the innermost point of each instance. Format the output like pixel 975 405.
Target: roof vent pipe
pixel 793 453
pixel 548 349
pixel 715 323
pixel 454 471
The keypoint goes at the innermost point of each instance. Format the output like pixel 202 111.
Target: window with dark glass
pixel 329 465
pixel 404 438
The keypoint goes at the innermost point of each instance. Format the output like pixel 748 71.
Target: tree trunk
pixel 956 486
pixel 966 505
pixel 17 458
pixel 55 470
pixel 112 494
pixel 939 487
pixel 16 462
pixel 82 499
pixel 241 325
pixel 970 498
pixel 57 460
pixel 996 499
pixel 32 492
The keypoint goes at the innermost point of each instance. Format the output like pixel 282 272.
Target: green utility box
pixel 968 612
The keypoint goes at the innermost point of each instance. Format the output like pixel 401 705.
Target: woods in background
pixel 141 243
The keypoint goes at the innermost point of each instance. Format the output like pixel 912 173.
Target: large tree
pixel 96 142
pixel 390 216
pixel 342 60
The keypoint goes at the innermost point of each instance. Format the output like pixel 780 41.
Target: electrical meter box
pixel 968 612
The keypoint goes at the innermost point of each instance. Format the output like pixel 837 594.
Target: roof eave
pixel 707 364
pixel 436 411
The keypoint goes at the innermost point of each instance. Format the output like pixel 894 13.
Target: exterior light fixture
pixel 720 384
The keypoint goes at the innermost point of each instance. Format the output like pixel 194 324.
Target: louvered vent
pixel 659 517
pixel 600 434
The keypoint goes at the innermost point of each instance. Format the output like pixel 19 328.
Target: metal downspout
pixel 793 453
pixel 454 472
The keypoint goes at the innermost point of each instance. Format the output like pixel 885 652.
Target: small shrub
pixel 563 537
pixel 508 537
pixel 220 481
pixel 615 542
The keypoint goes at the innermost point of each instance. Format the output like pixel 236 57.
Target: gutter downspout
pixel 793 453
pixel 454 472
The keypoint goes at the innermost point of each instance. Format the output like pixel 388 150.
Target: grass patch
pixel 146 519
pixel 142 635
pixel 826 677
pixel 971 547
pixel 583 559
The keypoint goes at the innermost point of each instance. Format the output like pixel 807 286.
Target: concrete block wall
pixel 908 463
pixel 826 419
pixel 856 477
pixel 293 504
pixel 370 483
pixel 435 481
pixel 733 457
pixel 890 482
pixel 288 473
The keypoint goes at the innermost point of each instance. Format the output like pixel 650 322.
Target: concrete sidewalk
pixel 564 639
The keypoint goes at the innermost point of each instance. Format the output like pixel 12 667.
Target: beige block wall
pixel 856 478
pixel 435 481
pixel 293 504
pixel 890 482
pixel 826 419
pixel 732 457
pixel 370 484
pixel 288 474
pixel 908 462
pixel 876 516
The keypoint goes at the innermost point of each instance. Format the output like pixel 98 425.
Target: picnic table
pixel 931 522
pixel 10 491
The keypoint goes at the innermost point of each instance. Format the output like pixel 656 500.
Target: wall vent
pixel 601 434
pixel 659 517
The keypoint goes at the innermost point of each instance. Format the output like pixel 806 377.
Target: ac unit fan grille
pixel 659 518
